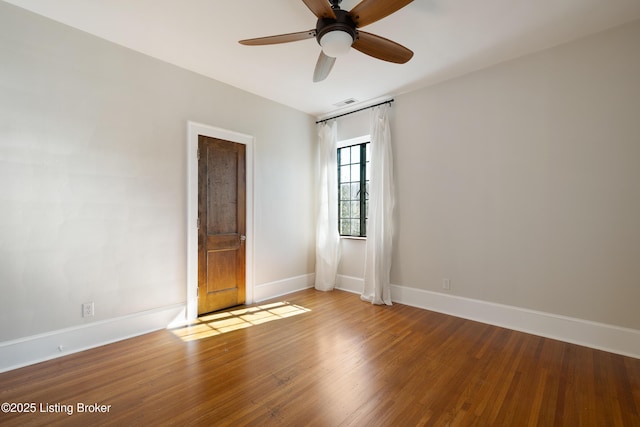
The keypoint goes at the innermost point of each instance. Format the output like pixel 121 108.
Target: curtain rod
pixel 355 111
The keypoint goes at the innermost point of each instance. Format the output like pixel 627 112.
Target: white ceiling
pixel 449 38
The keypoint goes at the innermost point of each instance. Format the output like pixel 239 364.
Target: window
pixel 353 190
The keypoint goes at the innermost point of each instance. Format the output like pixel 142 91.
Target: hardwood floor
pixel 331 360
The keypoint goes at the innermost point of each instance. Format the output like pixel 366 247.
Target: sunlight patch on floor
pixel 214 324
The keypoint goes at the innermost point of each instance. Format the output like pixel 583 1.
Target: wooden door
pixel 222 224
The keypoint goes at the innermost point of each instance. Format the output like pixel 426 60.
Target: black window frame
pixel 362 194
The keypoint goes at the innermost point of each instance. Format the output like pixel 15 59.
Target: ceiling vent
pixel 345 102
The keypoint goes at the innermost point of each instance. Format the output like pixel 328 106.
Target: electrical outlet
pixel 446 284
pixel 88 309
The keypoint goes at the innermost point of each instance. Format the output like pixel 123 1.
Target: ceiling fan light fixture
pixel 337 30
pixel 336 43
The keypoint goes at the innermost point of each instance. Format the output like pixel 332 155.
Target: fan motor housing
pixel 343 22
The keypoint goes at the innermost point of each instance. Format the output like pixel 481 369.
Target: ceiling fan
pixel 338 30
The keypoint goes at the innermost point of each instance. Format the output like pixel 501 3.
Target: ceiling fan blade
pixel 323 67
pixel 282 38
pixel 369 11
pixel 381 48
pixel 320 8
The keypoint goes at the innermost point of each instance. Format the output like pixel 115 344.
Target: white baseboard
pixel 278 288
pixel 614 339
pixel 38 348
pixel 350 284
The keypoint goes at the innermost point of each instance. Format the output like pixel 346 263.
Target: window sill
pixel 353 238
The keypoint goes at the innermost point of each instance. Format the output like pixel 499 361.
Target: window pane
pixel 345 176
pixel 355 227
pixel 355 154
pixel 355 209
pixel 345 159
pixel 344 210
pixel 345 226
pixel 355 191
pixel 368 171
pixel 368 151
pixel 355 172
pixel 345 191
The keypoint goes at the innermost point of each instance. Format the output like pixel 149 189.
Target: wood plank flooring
pixel 337 362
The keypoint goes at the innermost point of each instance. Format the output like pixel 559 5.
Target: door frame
pixel 193 131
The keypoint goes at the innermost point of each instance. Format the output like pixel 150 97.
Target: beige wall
pixel 521 182
pixel 93 141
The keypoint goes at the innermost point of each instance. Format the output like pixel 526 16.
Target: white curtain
pixel 377 268
pixel 327 236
